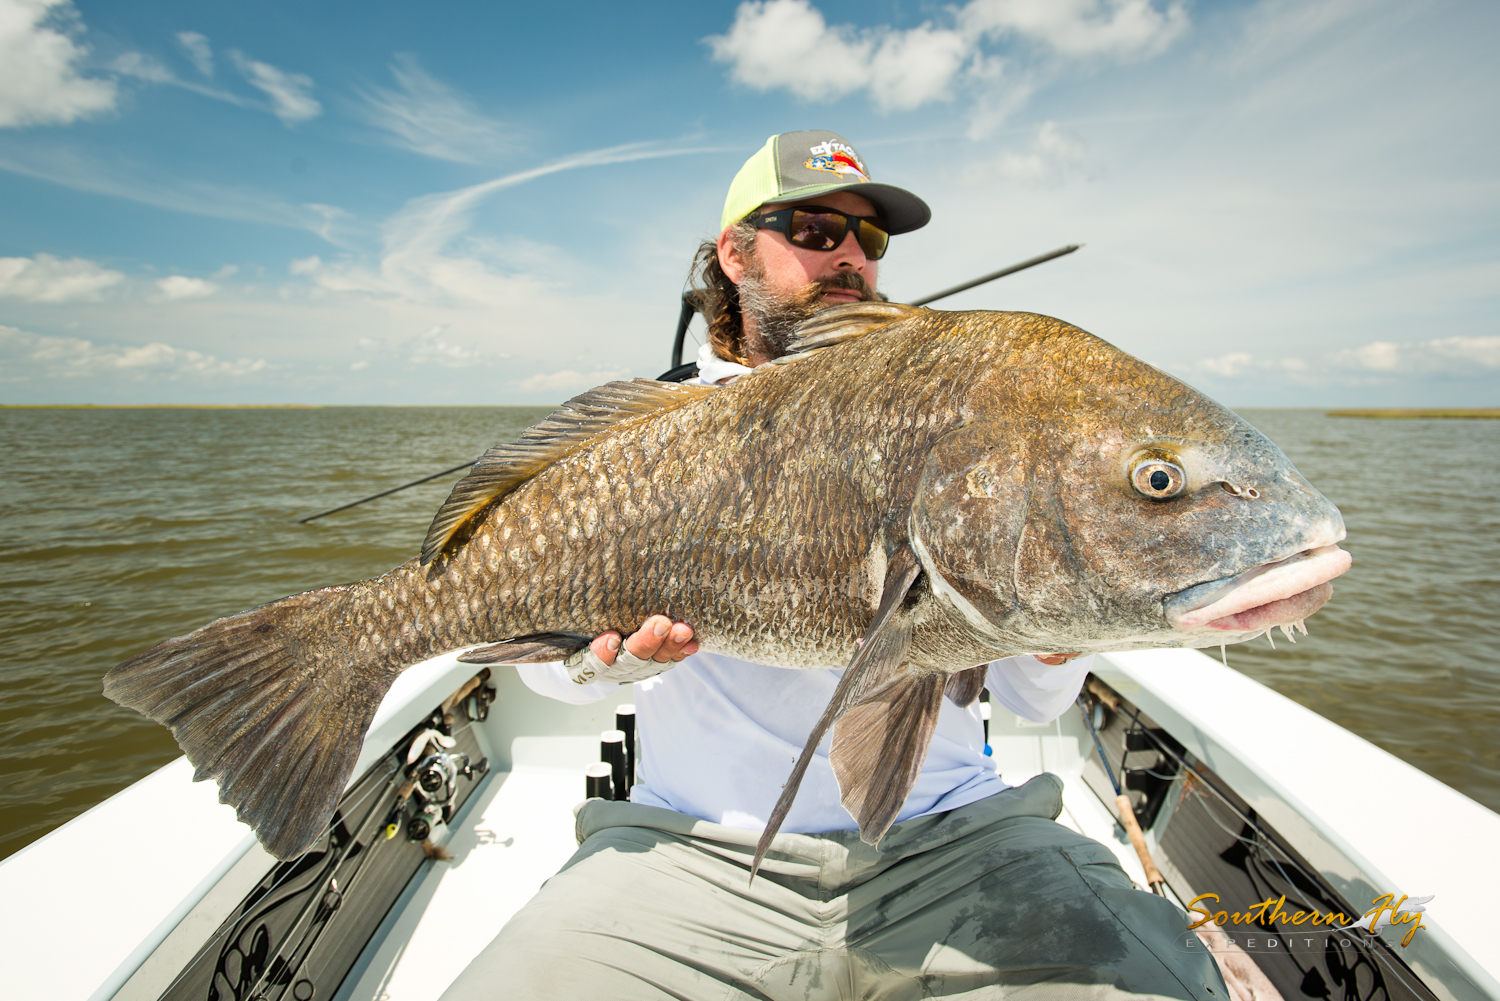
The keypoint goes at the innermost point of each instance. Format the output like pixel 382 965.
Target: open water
pixel 119 528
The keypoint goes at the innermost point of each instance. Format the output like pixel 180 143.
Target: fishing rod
pixel 383 493
pixel 678 372
pixel 690 305
pixel 1126 810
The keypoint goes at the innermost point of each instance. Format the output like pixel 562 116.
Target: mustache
pixel 851 281
pixel 777 315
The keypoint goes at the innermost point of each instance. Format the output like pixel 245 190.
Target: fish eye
pixel 1154 475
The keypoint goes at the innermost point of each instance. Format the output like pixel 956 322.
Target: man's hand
pixel 1052 659
pixel 650 650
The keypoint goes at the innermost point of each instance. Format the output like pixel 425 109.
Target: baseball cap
pixel 796 166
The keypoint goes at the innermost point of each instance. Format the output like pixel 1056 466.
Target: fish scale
pixel 911 493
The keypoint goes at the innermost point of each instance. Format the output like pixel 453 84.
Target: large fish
pixel 911 493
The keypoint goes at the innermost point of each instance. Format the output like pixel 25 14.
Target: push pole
pixel 1126 811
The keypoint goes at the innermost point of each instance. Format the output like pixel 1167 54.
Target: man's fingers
pixel 605 646
pixel 675 646
pixel 662 640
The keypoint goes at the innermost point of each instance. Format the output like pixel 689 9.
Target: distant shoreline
pixel 161 406
pixel 274 406
pixel 1478 413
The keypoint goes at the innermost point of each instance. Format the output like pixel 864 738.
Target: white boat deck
pixel 518 831
pixel 144 895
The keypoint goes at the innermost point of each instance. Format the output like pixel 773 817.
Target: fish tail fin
pixel 879 746
pixel 275 718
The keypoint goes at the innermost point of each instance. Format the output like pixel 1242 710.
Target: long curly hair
pixel 718 298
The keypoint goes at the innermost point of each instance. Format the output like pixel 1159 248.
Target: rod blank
pixel 1033 262
pixel 383 493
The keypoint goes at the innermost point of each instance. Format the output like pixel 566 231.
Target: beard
pixel 777 315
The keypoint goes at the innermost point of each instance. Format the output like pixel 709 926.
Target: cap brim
pixel 901 210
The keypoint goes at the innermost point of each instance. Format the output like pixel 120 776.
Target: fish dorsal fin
pixel 602 410
pixel 844 323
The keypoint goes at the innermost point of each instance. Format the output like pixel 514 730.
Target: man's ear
pixel 730 259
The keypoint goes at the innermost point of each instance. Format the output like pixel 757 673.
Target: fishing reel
pixel 431 787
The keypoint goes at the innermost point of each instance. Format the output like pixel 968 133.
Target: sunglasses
pixel 819 228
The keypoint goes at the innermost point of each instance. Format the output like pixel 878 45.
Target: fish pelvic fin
pixel 964 687
pixel 838 324
pixel 881 655
pixel 538 648
pixel 279 727
pixel 505 467
pixel 879 747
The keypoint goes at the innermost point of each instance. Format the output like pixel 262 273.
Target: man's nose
pixel 849 255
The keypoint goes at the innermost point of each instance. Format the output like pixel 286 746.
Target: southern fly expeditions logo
pixel 1270 927
pixel 836 158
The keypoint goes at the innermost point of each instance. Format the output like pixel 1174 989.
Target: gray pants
pixel 992 900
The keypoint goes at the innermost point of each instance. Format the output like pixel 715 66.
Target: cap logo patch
pixel 836 158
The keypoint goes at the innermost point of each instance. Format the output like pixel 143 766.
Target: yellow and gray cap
pixel 796 166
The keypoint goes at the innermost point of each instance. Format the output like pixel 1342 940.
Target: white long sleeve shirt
pixel 718 737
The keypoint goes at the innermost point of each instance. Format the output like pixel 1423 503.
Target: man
pixel 974 892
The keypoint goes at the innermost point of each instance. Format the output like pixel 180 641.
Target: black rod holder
pixel 612 751
pixel 625 723
pixel 596 781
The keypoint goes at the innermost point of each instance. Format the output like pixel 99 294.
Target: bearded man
pixel 973 892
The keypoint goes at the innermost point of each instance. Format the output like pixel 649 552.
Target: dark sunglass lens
pixel 817 230
pixel 873 240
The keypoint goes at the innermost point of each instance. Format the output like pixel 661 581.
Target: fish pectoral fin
pixel 538 648
pixel 844 323
pixel 881 655
pixel 964 687
pixel 582 419
pixel 879 747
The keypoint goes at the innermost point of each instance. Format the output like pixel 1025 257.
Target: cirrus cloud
pixel 290 93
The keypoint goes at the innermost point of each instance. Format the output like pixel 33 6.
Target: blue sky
pixel 1284 203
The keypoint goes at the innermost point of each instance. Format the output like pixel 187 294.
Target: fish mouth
pixel 1279 593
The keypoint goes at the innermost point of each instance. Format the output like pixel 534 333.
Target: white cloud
pixel 431 347
pixel 1229 365
pixel 1377 356
pixel 152 70
pixel 45 278
pixel 120 176
pixel 142 67
pixel 1449 355
pixel 1375 363
pixel 196 48
pixel 28 357
pixel 568 381
pixel 788 44
pixel 428 117
pixel 227 271
pixel 290 93
pixel 182 287
pixel 39 79
pixel 1119 28
pixel 1052 156
pixel 416 265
